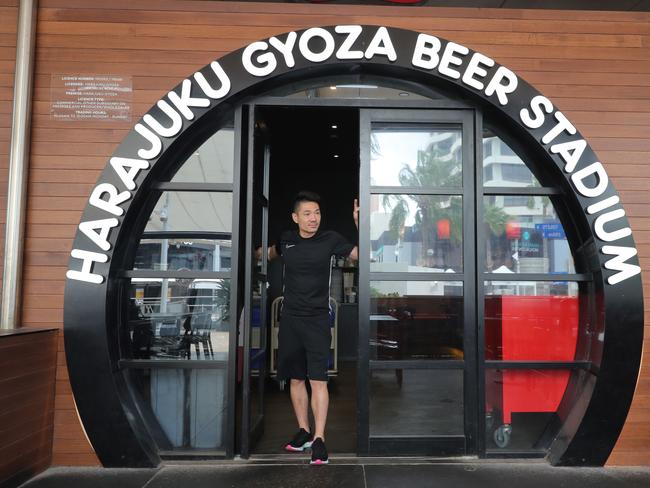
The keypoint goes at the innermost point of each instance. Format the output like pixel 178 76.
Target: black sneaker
pixel 301 441
pixel 318 452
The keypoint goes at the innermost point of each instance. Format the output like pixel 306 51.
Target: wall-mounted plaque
pixel 91 97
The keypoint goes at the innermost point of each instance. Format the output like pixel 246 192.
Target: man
pixel 304 336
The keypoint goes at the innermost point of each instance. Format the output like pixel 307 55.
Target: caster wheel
pixel 502 435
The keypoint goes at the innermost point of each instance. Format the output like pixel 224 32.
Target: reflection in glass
pixel 191 211
pixel 501 166
pixel 258 337
pixel 258 351
pixel 173 318
pixel 521 407
pixel 422 156
pixel 416 233
pixel 531 320
pixel 416 402
pixel 186 408
pixel 212 162
pixel 184 254
pixel 416 320
pixel 524 235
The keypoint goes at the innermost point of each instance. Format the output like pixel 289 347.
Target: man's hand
pixel 272 253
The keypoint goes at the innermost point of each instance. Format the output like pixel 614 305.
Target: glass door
pixel 178 337
pixel 417 338
pixel 254 332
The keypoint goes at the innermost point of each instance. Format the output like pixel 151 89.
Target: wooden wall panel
pixel 28 363
pixel 593 65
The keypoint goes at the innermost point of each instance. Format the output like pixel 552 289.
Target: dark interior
pixel 303 145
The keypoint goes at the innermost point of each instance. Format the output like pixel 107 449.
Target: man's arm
pixel 354 254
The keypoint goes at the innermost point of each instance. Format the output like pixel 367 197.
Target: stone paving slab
pixel 305 476
pixel 342 474
pixel 503 476
pixel 61 477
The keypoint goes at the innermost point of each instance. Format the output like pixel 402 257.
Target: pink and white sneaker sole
pixel 318 462
pixel 290 448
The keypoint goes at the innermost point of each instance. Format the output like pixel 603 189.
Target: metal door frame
pixel 436 445
pixel 257 198
pixel 470 119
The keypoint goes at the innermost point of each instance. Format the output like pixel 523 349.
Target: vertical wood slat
pixel 593 65
pixel 27 391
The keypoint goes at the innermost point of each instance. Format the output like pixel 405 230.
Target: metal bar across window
pixel 415 190
pixel 206 187
pixel 500 190
pixel 147 273
pixel 536 277
pixel 417 364
pixel 186 234
pixel 495 364
pixel 418 276
pixel 172 364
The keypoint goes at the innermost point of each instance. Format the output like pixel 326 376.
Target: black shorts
pixel 304 347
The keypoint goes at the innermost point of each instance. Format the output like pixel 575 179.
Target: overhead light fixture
pixel 332 88
pixel 336 155
pixel 403 94
pixel 334 126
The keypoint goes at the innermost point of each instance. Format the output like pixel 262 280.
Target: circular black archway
pixel 192 111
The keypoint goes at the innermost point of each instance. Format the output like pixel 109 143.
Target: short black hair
pixel 305 196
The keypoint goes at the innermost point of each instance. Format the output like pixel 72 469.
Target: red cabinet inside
pixel 528 328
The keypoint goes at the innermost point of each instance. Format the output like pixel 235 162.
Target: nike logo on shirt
pixel 289 245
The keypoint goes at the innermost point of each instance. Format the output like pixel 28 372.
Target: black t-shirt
pixel 307 269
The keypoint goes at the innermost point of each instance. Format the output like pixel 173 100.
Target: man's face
pixel 307 216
